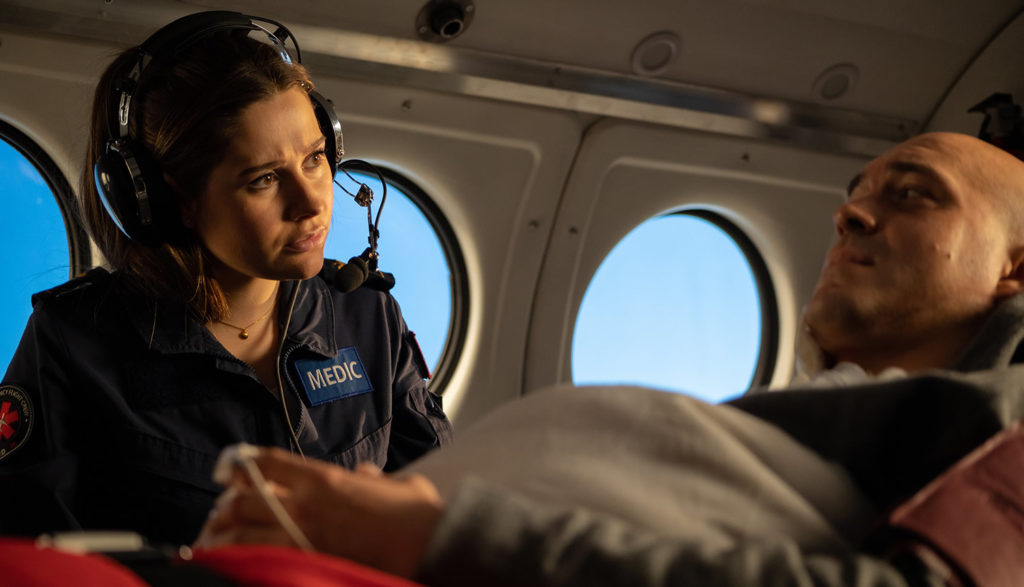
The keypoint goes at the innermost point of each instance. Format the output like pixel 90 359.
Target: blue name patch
pixel 332 379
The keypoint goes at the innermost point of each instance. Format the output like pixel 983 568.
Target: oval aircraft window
pixel 684 303
pixel 36 242
pixel 418 247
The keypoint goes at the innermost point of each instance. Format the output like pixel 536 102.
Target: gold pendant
pixel 244 334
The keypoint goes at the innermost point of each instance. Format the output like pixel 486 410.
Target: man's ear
pixel 1012 282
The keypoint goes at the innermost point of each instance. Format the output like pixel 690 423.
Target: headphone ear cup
pixel 330 126
pixel 134 193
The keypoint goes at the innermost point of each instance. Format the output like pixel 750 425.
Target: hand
pixel 363 515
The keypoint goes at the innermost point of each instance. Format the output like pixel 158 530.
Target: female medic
pixel 208 188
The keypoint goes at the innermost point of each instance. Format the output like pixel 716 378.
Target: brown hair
pixel 184 114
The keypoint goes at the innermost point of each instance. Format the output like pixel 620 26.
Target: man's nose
pixel 854 217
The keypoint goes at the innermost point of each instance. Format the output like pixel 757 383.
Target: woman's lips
pixel 308 242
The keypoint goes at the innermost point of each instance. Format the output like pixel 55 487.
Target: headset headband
pixel 129 181
pixel 181 34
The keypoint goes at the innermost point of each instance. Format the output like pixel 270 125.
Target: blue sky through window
pixel 34 244
pixel 674 306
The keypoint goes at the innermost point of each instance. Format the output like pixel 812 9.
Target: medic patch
pixel 16 419
pixel 332 379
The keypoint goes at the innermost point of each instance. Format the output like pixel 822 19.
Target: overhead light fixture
pixel 656 53
pixel 836 81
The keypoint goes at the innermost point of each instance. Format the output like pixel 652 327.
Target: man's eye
pixel 263 181
pixel 912 193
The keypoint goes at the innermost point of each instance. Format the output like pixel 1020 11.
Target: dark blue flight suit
pixel 126 403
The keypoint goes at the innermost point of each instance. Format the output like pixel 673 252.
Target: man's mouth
pixel 848 257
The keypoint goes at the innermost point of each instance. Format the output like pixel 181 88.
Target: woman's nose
pixel 309 197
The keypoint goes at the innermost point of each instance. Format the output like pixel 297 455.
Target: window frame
pixel 458 321
pixel 769 307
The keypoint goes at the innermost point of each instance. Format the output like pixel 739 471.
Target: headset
pixel 130 183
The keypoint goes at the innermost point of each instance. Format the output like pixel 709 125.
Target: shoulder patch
pixel 417 355
pixel 16 419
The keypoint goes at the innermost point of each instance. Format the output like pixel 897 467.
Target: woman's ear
pixel 189 211
pixel 1012 280
pixel 189 206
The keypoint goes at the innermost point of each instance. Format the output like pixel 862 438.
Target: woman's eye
pixel 263 181
pixel 316 159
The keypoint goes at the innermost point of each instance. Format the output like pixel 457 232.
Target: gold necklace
pixel 243 331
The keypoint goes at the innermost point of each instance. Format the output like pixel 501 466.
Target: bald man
pixel 929 241
pixel 909 363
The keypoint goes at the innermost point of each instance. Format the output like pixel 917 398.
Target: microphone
pixel 362 270
pixel 359 271
pixel 352 274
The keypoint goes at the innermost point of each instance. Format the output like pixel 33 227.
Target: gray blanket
pixel 633 486
pixel 665 462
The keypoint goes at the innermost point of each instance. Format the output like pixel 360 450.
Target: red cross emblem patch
pixel 16 418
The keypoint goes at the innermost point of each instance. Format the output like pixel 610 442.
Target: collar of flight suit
pixel 170 327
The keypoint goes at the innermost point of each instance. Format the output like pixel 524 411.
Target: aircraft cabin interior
pixel 588 192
